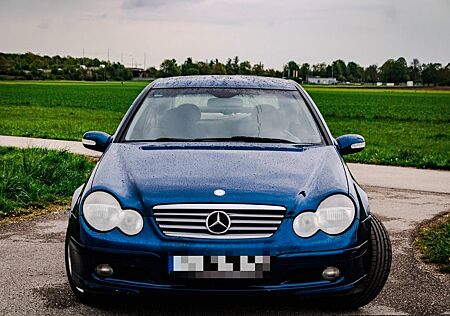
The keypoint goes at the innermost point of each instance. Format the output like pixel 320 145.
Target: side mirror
pixel 97 141
pixel 350 144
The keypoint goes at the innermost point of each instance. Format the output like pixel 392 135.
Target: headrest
pixel 225 102
pixel 185 112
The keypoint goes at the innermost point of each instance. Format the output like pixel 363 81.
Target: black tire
pixel 379 258
pixel 83 297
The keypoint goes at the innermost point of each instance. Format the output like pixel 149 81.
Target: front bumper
pixel 138 272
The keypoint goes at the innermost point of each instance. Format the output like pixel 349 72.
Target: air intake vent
pixel 218 221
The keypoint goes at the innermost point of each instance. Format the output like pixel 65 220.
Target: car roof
pixel 216 81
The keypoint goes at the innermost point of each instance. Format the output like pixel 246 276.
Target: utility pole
pixel 83 55
pixel 144 61
pixel 108 55
pixel 121 58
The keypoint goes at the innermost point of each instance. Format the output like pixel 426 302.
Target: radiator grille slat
pixel 246 220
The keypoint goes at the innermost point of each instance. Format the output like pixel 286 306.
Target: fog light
pixel 104 270
pixel 331 273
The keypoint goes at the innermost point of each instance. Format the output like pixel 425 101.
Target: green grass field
pixel 401 127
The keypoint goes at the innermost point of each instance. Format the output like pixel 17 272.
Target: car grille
pixel 247 220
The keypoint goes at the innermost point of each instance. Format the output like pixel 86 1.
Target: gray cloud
pixel 102 16
pixel 44 25
pixel 135 4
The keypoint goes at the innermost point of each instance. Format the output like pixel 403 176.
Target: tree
pixel 5 64
pixel 387 71
pixel 218 68
pixel 236 67
pixel 258 69
pixel 354 72
pixel 229 67
pixel 169 68
pixel 402 69
pixel 203 68
pixel 394 70
pixel 272 73
pixel 415 70
pixel 446 75
pixel 328 71
pixel 339 70
pixel 152 72
pixel 371 74
pixel 430 73
pixel 189 68
pixel 245 68
pixel 305 71
pixel 319 70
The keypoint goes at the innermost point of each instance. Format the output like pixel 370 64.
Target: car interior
pixel 220 118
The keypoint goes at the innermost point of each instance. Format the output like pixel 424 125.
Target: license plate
pixel 219 267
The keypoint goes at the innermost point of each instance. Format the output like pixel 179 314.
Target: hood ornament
pixel 219 192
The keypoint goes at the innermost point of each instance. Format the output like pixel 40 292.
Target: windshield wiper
pixel 247 139
pixel 256 139
pixel 172 139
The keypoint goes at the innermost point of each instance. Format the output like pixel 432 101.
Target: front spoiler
pixel 146 272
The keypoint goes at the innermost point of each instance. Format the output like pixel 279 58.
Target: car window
pixel 221 114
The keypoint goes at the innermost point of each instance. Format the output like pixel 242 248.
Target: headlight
pixel 333 216
pixel 103 212
pixel 131 222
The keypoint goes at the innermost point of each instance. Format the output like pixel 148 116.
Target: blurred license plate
pixel 222 267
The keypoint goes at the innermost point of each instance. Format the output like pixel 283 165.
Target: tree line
pixel 32 66
pixel 393 71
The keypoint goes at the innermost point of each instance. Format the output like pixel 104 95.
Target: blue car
pixel 225 184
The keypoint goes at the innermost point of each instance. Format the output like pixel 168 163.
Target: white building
pixel 320 80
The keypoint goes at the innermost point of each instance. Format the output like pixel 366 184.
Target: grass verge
pixel 434 242
pixel 33 178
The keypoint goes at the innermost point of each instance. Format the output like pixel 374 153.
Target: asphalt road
pixel 33 281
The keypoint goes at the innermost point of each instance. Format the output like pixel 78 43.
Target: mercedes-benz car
pixel 225 184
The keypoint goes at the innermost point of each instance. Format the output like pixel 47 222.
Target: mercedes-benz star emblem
pixel 218 222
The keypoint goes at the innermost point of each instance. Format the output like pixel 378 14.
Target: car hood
pixel 142 176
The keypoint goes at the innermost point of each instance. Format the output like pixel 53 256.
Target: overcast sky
pixel 268 31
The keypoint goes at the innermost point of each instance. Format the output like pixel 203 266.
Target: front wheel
pixel 379 265
pixel 79 293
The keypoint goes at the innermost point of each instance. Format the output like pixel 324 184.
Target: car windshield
pixel 200 114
